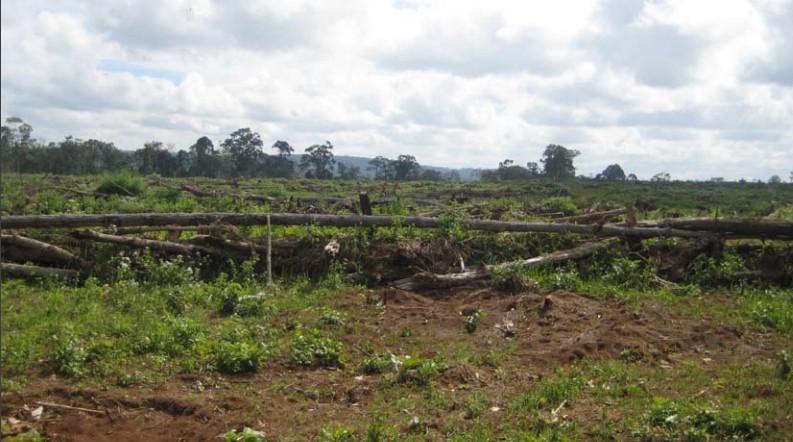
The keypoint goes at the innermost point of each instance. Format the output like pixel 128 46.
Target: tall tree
pixel 612 173
pixel 154 158
pixel 205 158
pixel 244 147
pixel 661 177
pixel 558 162
pixel 406 168
pixel 318 161
pixel 382 167
pixel 284 148
pixel 281 166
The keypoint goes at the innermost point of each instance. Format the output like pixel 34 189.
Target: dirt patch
pixel 560 327
pixel 542 330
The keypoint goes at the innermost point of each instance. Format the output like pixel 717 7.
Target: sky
pixel 697 89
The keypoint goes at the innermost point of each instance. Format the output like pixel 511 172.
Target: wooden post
pixel 269 252
pixel 366 206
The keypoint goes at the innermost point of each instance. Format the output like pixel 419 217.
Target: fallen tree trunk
pixel 161 219
pixel 729 226
pixel 20 248
pixel 592 217
pixel 426 280
pixel 26 271
pixel 199 229
pixel 141 243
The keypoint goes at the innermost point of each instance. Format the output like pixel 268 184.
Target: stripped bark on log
pixel 426 280
pixel 26 271
pixel 159 219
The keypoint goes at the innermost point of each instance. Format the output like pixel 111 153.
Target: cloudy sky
pixel 697 88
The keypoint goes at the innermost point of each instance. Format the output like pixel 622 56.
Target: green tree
pixel 205 158
pixel 154 158
pixel 558 162
pixel 281 166
pixel 775 179
pixel 406 168
pixel 612 173
pixel 383 168
pixel 318 161
pixel 508 170
pixel 661 177
pixel 244 147
pixel 345 172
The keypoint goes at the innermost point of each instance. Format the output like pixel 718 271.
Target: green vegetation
pixel 319 342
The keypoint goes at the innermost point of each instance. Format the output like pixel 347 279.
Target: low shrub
pixel 122 183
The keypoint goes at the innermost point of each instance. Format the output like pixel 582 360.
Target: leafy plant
pixel 472 321
pixel 311 349
pixel 122 183
pixel 69 357
pixel 237 357
pixel 246 435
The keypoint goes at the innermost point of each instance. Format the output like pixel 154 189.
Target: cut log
pixel 141 243
pixel 199 229
pixel 26 271
pixel 23 249
pixel 190 219
pixel 426 280
pixel 753 228
pixel 592 217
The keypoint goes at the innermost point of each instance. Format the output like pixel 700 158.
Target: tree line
pixel 241 154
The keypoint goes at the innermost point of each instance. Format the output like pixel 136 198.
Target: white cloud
pixel 697 89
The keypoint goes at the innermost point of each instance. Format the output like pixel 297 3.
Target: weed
pixel 122 183
pixel 237 357
pixel 69 357
pixel 246 435
pixel 472 321
pixel 783 363
pixel 376 364
pixel 331 317
pixel 339 434
pixel 417 371
pixel 311 349
pixel 475 406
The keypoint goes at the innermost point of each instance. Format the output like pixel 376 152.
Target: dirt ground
pixel 543 330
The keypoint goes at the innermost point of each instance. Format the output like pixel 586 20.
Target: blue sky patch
pixel 138 70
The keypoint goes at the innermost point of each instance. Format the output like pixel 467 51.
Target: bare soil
pixel 549 329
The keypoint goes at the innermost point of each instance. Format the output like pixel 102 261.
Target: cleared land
pixel 654 339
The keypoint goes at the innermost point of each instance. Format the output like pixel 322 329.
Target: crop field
pixel 646 317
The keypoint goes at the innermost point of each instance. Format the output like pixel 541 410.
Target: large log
pixel 191 219
pixel 729 226
pixel 592 217
pixel 141 243
pixel 23 249
pixel 26 271
pixel 426 280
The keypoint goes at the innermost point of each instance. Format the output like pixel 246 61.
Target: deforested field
pixel 525 310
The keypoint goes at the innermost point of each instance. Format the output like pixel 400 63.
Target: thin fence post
pixel 269 252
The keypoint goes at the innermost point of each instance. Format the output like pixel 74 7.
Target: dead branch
pixel 71 408
pixel 426 280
